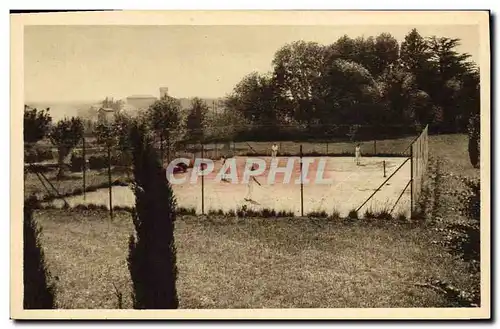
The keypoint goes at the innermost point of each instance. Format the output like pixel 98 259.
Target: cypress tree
pixel 474 140
pixel 38 293
pixel 152 253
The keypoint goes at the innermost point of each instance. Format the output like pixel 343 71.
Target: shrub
pixel 318 214
pixel 467 240
pixel 98 162
pixel 37 154
pixel 353 214
pixel 285 213
pixel 186 211
pixel 470 199
pixel 76 163
pixel 124 208
pixel 38 293
pixel 401 216
pixel 212 212
pixel 241 211
pixel 474 133
pixel 152 252
pixel 383 214
pixel 335 214
pixel 267 213
pixel 369 213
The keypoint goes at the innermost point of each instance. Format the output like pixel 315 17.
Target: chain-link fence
pixel 332 180
pixel 420 159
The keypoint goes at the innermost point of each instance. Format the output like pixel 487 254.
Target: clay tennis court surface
pixel 348 188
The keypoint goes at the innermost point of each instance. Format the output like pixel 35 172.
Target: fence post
pixel 384 168
pixel 202 184
pixel 109 182
pixel 375 147
pixel 326 148
pixel 84 167
pixel 411 180
pixel 301 185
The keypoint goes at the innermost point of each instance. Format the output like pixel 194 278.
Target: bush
pixel 284 213
pixel 318 214
pixel 369 213
pixel 38 155
pixel 268 213
pixel 38 293
pixel 186 211
pixel 383 214
pixel 335 214
pixel 76 163
pixel 470 199
pixel 474 140
pixel 467 240
pixel 98 162
pixel 353 214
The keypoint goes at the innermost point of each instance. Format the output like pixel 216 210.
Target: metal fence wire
pixel 96 173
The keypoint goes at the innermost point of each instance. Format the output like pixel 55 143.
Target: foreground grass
pixel 254 263
pixel 449 163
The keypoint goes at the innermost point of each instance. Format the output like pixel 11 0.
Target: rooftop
pixel 141 96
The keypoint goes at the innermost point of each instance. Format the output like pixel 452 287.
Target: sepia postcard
pixel 250 165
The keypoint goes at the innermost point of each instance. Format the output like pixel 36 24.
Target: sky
pixel 77 63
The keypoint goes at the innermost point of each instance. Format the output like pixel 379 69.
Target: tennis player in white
pixel 224 177
pixel 274 150
pixel 250 183
pixel 357 153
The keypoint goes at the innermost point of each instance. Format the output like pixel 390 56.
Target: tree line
pixel 357 88
pixel 372 81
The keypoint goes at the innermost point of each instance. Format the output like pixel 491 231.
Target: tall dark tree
pixel 415 57
pixel 256 98
pixel 226 124
pixel 65 135
pixel 386 53
pixel 469 97
pixel 403 102
pixel 349 94
pixel 195 121
pixel 164 118
pixel 38 292
pixel 297 72
pixel 365 54
pixel 36 124
pixel 414 52
pixel 346 48
pixel 152 252
pixel 474 134
pixel 450 66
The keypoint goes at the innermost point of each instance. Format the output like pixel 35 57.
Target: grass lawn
pixel 254 263
pixel 269 263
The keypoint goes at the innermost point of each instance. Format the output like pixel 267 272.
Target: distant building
pixel 163 92
pixel 141 102
pixel 135 104
pixel 106 115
